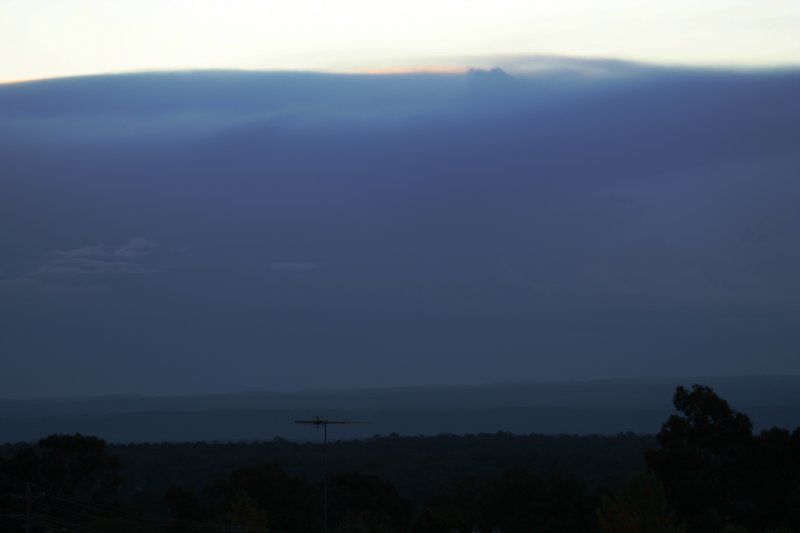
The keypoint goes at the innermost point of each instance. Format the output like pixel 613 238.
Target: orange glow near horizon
pixel 412 70
pixel 28 80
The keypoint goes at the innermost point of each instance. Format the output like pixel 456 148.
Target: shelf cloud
pixel 588 219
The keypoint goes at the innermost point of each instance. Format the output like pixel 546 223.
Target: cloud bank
pixel 604 219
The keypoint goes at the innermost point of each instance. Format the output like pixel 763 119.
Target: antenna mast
pixel 323 423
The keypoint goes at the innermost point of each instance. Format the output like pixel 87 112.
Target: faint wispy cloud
pixel 90 267
pixel 87 262
pixel 83 252
pixel 99 260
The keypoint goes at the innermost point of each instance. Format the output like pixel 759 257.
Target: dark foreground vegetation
pixel 706 471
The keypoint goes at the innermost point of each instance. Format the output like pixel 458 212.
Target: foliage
pixel 66 465
pixel 642 507
pixel 718 474
pixel 516 501
pixel 710 474
pixel 60 470
pixel 246 514
pixel 418 467
pixel 360 502
pixel 265 497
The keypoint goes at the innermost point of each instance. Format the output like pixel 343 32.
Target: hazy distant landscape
pixel 604 407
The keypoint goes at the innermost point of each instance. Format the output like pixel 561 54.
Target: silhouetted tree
pixel 359 502
pixel 717 474
pixel 455 510
pixel 289 503
pixel 642 507
pixel 66 474
pixel 514 502
pixel 266 497
pixel 66 465
pixel 700 448
pixel 246 515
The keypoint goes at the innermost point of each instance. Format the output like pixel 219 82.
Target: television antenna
pixel 323 423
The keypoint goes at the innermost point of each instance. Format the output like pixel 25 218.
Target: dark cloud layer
pixel 307 230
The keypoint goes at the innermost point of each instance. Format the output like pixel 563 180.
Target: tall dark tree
pixel 64 476
pixel 717 474
pixel 701 449
pixel 72 466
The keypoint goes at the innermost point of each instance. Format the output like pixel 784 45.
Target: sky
pixel 542 191
pixel 54 38
pixel 226 231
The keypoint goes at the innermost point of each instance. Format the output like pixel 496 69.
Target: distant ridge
pixel 603 406
pixel 410 388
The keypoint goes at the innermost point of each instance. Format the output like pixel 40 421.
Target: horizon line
pixel 458 66
pixel 399 387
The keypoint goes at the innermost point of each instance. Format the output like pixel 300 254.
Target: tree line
pixel 705 471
